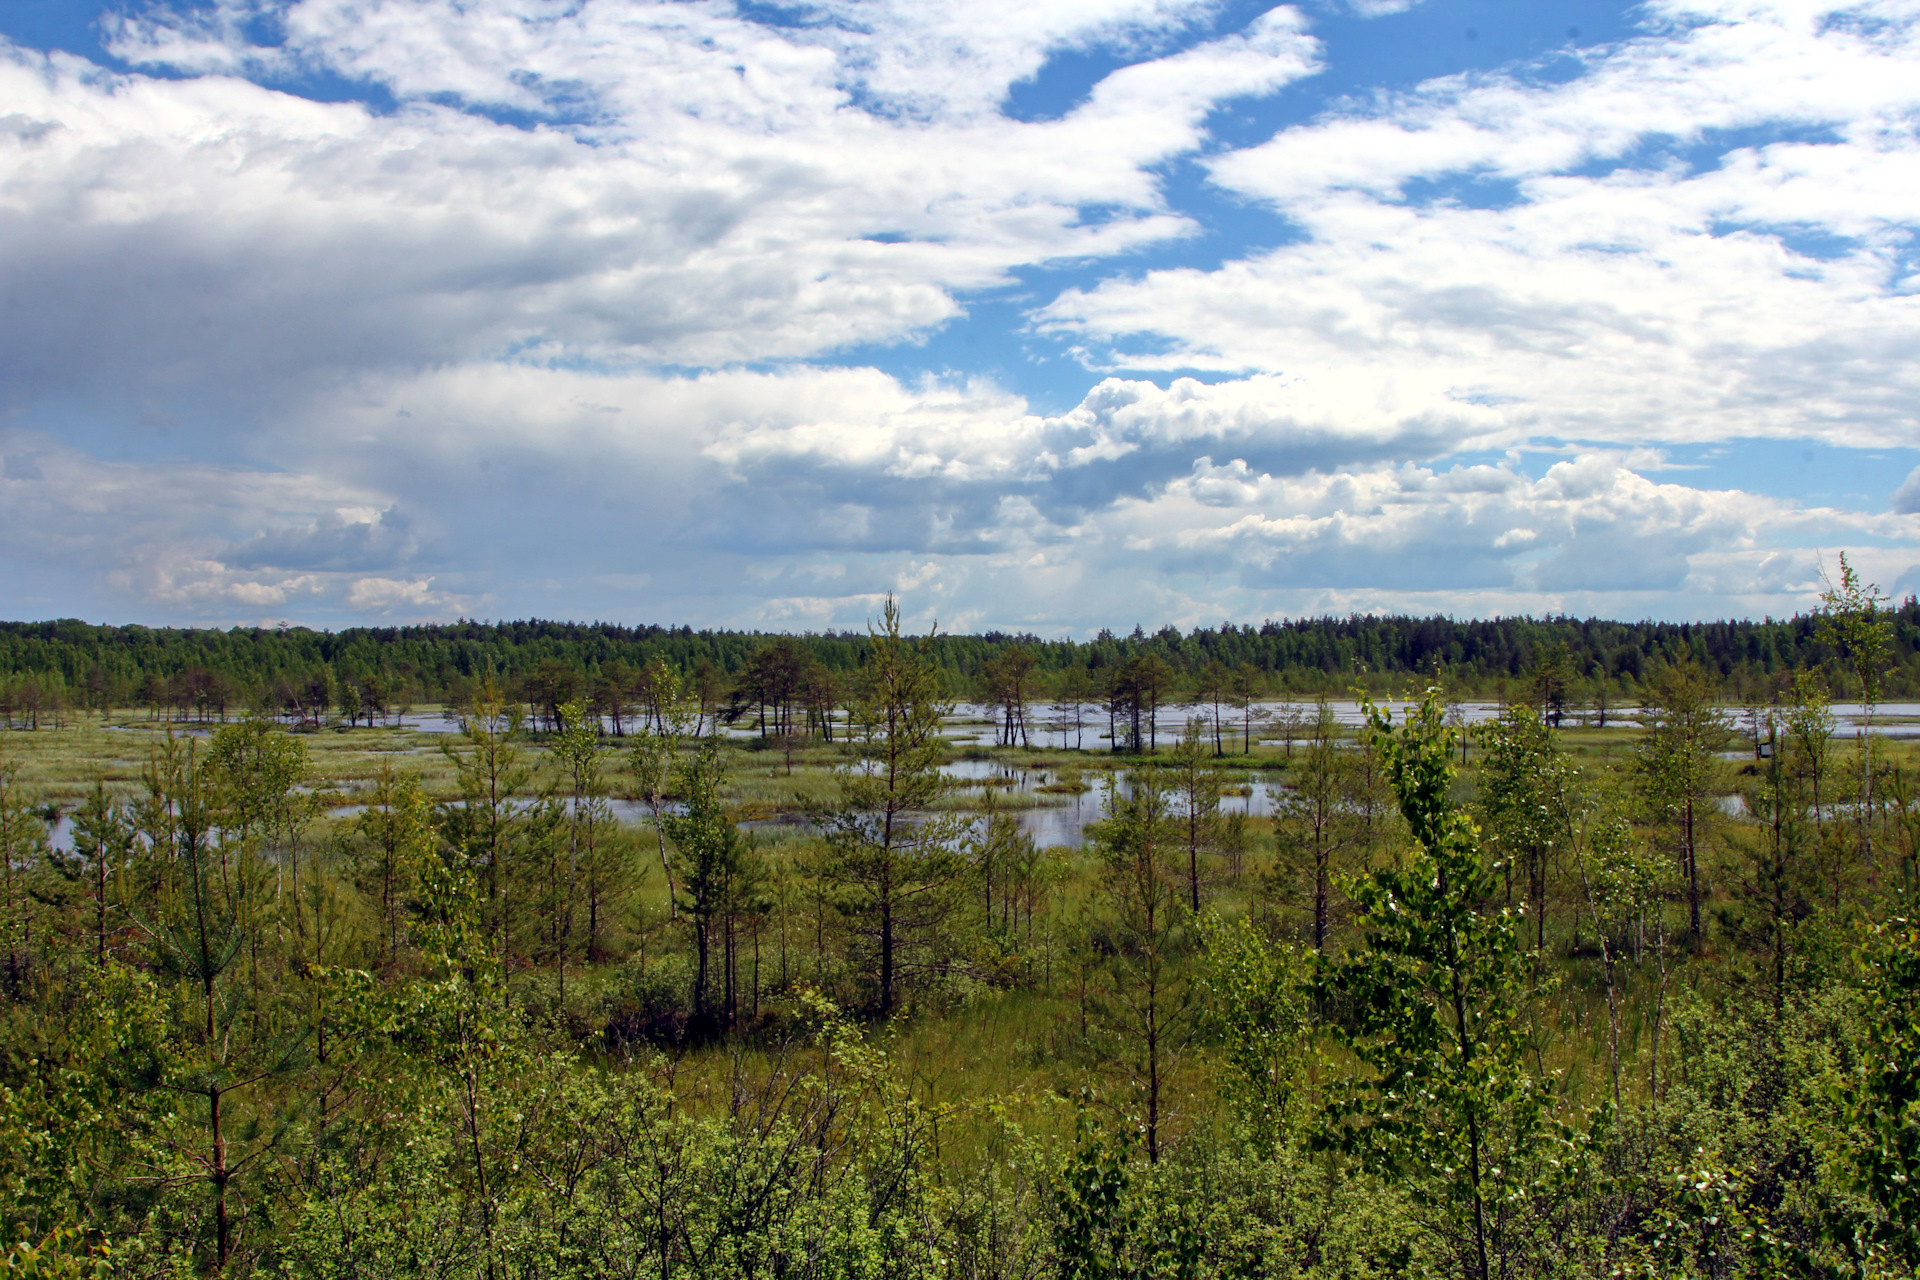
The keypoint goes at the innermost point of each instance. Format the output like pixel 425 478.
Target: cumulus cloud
pixel 770 495
pixel 1588 525
pixel 1129 432
pixel 1515 238
pixel 557 327
pixel 1906 499
pixel 751 498
pixel 209 587
pixel 188 539
pixel 694 188
pixel 416 598
pixel 345 538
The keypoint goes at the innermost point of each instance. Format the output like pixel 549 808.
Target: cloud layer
pixel 547 317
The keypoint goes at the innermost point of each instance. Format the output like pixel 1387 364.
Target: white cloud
pixel 1379 8
pixel 1589 300
pixel 417 597
pixel 754 491
pixel 793 498
pixel 976 433
pixel 1906 499
pixel 555 333
pixel 699 188
pixel 208 587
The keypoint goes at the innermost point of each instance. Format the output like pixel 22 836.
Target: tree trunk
pixel 886 958
pixel 222 1229
pixel 1319 894
pixel 700 970
pixel 1693 874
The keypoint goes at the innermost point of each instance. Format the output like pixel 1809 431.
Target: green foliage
pixel 1323 825
pixel 23 839
pixel 63 1254
pixel 1199 790
pixel 1106 1229
pixel 393 846
pixel 1013 877
pixel 1708 1225
pixel 259 771
pixel 455 1033
pixel 893 864
pixel 1140 1002
pixel 718 875
pixel 1677 770
pixel 1434 999
pixel 94 871
pixel 1525 802
pixel 488 828
pixel 1857 626
pixel 525 1163
pixel 1878 1151
pixel 362 672
pixel 1258 1011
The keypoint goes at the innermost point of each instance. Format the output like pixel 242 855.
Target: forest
pixel 49 668
pixel 1366 947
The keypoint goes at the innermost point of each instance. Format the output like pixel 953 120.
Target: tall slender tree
pixel 1438 987
pixel 1243 687
pixel 103 850
pixel 675 716
pixel 223 1040
pixel 711 853
pixel 1072 691
pixel 1677 769
pixel 1853 620
pixel 23 840
pixel 1141 1007
pixel 1524 804
pixel 486 825
pixel 1198 786
pixel 1009 677
pixel 394 836
pixel 894 864
pixel 1319 820
pixel 581 757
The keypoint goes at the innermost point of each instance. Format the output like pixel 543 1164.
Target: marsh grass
pixel 965 1044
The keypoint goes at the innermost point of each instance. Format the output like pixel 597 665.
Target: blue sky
pixel 1047 316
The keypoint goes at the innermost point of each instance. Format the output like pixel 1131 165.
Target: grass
pixel 985 1055
pixel 767 783
pixel 975 1042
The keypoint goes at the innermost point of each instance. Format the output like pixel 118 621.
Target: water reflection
pixel 1072 799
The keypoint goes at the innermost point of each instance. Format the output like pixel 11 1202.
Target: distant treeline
pixel 48 666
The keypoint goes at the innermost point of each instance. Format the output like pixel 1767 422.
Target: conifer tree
pixel 1141 1007
pixel 393 838
pixel 23 839
pixel 711 854
pixel 1677 769
pixel 228 1033
pixel 486 826
pixel 894 864
pixel 1853 620
pixel 1524 803
pixel 103 844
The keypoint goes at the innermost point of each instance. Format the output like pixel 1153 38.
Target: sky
pixel 1044 315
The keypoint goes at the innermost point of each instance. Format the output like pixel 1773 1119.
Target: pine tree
pixel 893 864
